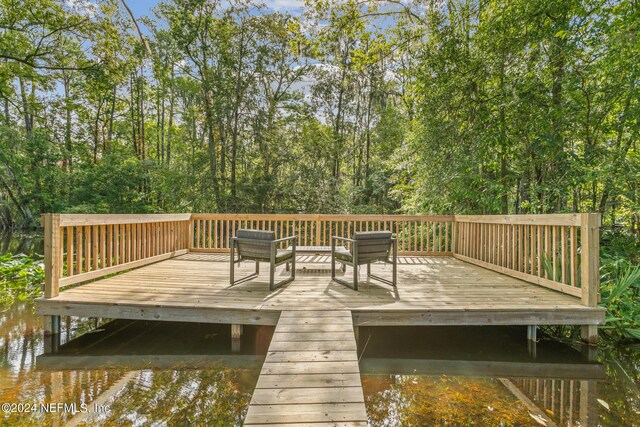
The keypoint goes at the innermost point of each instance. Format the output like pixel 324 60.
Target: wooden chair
pixel 262 246
pixel 366 247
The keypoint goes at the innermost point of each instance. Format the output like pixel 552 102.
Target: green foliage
pixel 523 108
pixel 458 107
pixel 21 278
pixel 620 290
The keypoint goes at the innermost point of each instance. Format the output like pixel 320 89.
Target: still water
pixel 154 374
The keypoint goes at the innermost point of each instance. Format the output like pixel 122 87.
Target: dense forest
pixel 453 106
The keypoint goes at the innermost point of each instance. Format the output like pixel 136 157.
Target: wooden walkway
pixel 311 373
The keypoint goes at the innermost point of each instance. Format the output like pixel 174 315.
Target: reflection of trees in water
pixel 190 397
pixel 21 341
pixel 21 243
pixel 176 397
pixel 68 387
pixel 622 389
pixel 401 400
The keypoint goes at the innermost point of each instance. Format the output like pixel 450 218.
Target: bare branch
pixel 133 18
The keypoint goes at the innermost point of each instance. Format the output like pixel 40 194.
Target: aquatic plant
pixel 21 278
pixel 619 289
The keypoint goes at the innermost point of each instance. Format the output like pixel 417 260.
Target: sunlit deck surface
pixel 431 291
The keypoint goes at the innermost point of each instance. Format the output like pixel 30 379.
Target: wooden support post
pixel 590 269
pixel 52 326
pixel 52 266
pixel 589 352
pixel 190 231
pixel 236 335
pixel 532 348
pixel 532 341
pixel 236 331
pixel 589 333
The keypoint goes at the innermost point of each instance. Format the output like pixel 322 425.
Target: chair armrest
pixel 284 239
pixel 243 239
pixel 343 239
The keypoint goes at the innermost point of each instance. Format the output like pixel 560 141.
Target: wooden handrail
pixel 558 251
pixel 550 219
pixel 67 220
pixel 417 234
pixel 79 248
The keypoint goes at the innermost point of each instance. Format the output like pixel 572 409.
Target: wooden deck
pixel 431 291
pixel 453 270
pixel 311 373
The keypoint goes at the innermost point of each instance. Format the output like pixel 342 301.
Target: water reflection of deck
pixel 158 345
pixel 558 384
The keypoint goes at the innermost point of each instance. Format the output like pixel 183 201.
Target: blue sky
pixel 143 7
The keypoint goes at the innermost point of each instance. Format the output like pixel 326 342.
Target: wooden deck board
pixel 310 389
pixel 438 290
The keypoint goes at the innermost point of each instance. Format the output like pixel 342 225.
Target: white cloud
pixel 83 7
pixel 284 5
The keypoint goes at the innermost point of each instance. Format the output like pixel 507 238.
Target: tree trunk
pixel 67 126
pixel 111 114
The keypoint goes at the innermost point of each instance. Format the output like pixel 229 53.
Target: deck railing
pixel 417 234
pixel 559 251
pixel 79 248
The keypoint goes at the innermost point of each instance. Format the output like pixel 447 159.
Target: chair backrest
pixel 257 244
pixel 372 245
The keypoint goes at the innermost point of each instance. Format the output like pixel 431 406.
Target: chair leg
pixel 355 277
pixel 391 282
pixel 395 271
pixel 272 276
pixel 242 279
pixel 272 283
pixel 333 265
pixel 368 269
